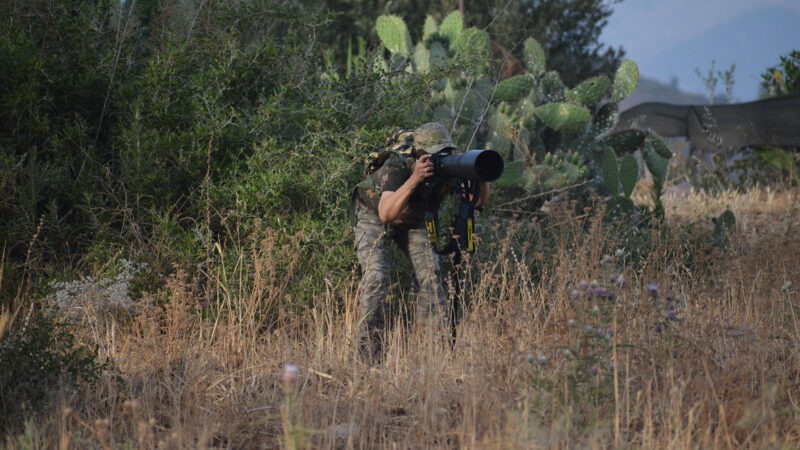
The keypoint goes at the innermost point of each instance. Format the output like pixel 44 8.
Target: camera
pixel 476 165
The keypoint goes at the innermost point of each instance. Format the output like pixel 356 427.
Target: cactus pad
pixel 655 163
pixel 659 146
pixel 624 141
pixel 611 171
pixel 451 26
pixel 628 174
pixel 512 174
pixel 472 46
pixel 513 89
pixel 394 34
pixel 591 91
pixel 552 87
pixel 625 81
pixel 535 58
pixel 429 28
pixel 563 116
pixel 422 58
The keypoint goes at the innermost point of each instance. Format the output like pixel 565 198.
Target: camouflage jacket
pixel 389 177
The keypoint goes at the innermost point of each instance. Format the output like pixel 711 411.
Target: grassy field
pixel 695 348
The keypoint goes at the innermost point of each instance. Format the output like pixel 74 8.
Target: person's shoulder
pixel 394 172
pixel 397 162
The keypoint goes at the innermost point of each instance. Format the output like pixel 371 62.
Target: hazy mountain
pixel 752 41
pixel 651 90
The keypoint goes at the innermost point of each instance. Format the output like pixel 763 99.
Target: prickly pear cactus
pixel 551 136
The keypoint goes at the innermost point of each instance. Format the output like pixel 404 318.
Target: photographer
pixel 390 206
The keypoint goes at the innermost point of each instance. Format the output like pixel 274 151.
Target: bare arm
pixel 392 203
pixel 484 194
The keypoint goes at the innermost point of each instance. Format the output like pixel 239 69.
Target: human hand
pixel 423 169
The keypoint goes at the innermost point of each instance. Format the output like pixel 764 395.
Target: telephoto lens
pixel 477 165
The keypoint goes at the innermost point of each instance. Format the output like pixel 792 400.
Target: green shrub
pixel 39 356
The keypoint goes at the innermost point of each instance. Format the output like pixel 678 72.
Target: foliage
pixel 712 78
pixel 39 356
pixel 528 117
pixel 153 136
pixel 783 79
pixel 568 30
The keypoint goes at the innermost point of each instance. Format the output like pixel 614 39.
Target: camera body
pixel 475 165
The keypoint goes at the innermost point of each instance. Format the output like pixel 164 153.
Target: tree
pixel 783 79
pixel 569 30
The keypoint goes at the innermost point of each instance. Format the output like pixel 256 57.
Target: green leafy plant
pixel 783 79
pixel 38 356
pixel 536 122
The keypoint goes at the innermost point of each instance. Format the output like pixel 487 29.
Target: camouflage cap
pixel 432 137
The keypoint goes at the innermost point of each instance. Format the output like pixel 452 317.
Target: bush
pixel 39 357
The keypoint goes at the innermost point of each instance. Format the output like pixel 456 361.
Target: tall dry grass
pixel 707 357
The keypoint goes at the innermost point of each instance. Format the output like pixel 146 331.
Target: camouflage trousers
pixel 373 247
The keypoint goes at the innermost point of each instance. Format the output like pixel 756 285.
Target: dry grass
pixel 535 365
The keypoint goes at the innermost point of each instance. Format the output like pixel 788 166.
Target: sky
pixel 667 37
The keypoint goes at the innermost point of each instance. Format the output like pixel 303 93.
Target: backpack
pixel 401 141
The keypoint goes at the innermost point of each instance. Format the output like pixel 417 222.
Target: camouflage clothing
pixel 389 177
pixel 373 248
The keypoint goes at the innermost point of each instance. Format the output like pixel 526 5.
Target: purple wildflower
pixel 671 314
pixel 652 290
pixel 593 371
pixel 611 332
pixel 602 292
